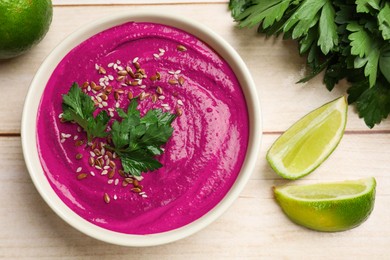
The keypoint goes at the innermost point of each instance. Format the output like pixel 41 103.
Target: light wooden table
pixel 254 227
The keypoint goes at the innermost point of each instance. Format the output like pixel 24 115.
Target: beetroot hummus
pixel 165 68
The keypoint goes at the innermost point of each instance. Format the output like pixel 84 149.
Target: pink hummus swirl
pixel 203 157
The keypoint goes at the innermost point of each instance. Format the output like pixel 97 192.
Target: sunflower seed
pixel 111 174
pixel 154 98
pixel 97 152
pixel 181 80
pixel 106 198
pixel 181 48
pixel 112 164
pixel 91 161
pixel 120 78
pixel 179 111
pixel 122 173
pixel 104 97
pixel 102 70
pixel 122 73
pixel 136 190
pixel 79 143
pixel 172 81
pixel 159 90
pixel 116 96
pixel 82 176
pixel 129 180
pixel 108 90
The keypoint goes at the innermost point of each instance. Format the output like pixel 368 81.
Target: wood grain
pixel 274 64
pixel 254 227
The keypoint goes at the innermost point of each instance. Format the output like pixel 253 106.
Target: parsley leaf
pixel 328 29
pixel 305 17
pixel 366 49
pixel 384 62
pixel 79 107
pixel 265 12
pixel 374 103
pixel 238 6
pixel 365 6
pixel 384 21
pixel 346 39
pixel 137 140
pixel 138 161
pixel 360 40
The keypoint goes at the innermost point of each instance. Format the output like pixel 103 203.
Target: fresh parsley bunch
pixel 137 140
pixel 345 39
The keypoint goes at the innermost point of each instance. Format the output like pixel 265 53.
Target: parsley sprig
pixel 346 39
pixel 79 107
pixel 136 140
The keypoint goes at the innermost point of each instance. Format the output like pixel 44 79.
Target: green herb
pixel 137 140
pixel 79 107
pixel 346 39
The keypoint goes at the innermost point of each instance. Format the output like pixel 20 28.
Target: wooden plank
pixel 274 64
pixel 254 227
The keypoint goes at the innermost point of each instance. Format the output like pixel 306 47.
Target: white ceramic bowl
pixel 29 131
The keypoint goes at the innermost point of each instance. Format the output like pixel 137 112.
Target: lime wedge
pixel 334 206
pixel 307 143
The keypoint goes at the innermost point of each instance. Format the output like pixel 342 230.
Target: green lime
pixel 306 144
pixel 334 206
pixel 23 23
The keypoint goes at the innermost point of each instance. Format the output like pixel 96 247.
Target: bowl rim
pixel 38 84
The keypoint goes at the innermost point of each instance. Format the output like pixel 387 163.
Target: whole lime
pixel 23 24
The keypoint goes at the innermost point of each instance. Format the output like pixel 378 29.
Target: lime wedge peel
pixel 329 207
pixel 310 141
